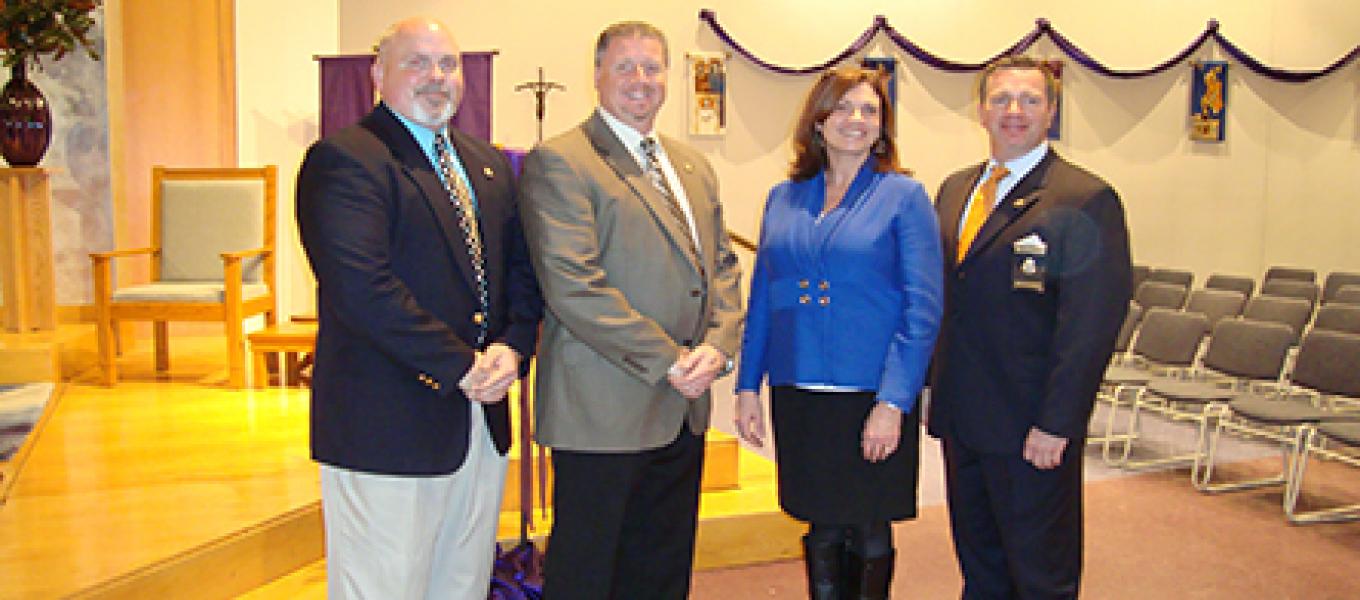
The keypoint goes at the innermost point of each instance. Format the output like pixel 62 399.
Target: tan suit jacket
pixel 625 293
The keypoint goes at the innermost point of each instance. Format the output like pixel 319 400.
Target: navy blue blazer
pixel 396 298
pixel 1028 329
pixel 851 301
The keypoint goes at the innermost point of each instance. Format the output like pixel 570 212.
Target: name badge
pixel 1029 263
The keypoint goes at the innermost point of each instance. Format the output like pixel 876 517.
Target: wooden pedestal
pixel 29 287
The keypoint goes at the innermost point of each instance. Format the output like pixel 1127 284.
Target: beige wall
pixel 278 98
pixel 1280 190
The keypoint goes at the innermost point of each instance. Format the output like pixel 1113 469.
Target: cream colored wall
pixel 278 98
pixel 1279 190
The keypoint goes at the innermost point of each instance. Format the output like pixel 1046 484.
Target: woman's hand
pixel 750 418
pixel 882 429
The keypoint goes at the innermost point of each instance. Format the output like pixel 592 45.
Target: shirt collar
pixel 631 138
pixel 1020 166
pixel 424 137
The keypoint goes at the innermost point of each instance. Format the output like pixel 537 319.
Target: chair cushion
pixel 1181 390
pixel 197 291
pixel 1347 432
pixel 201 218
pixel 1121 375
pixel 1276 411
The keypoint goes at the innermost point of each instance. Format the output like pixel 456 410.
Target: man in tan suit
pixel 627 237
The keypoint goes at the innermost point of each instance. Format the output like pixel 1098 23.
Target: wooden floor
pixel 126 476
pixel 129 483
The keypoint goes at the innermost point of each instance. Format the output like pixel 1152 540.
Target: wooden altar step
pixel 29 358
pixel 738 525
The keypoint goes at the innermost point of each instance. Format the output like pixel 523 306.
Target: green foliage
pixel 32 29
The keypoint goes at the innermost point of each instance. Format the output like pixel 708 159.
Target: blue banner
pixel 1209 101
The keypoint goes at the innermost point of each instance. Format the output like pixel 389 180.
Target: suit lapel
pixel 416 166
pixel 699 202
pixel 1021 198
pixel 622 163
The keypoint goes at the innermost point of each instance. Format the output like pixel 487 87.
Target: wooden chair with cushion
pixel 212 259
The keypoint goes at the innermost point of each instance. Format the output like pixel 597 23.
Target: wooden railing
pixel 741 240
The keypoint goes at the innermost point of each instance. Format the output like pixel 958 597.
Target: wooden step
pixel 720 470
pixel 25 359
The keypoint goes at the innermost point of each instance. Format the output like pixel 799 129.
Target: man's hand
pixel 491 375
pixel 882 429
pixel 750 419
pixel 1044 450
pixel 695 370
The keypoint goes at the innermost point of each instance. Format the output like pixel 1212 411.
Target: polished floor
pixel 126 476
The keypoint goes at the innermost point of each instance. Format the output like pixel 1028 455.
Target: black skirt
pixel 823 477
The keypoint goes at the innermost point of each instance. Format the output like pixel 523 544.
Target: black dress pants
pixel 624 523
pixel 1017 529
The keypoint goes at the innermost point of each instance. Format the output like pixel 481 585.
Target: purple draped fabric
pixel 347 92
pixel 1042 28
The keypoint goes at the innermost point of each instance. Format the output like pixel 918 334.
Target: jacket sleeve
pixel 1093 281
pixel 755 337
pixel 724 289
pixel 521 289
pixel 920 263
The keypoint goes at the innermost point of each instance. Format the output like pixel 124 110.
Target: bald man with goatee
pixel 428 312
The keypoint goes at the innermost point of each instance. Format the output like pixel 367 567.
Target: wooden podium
pixel 29 287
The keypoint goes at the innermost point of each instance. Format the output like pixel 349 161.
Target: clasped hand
pixel 493 372
pixel 695 370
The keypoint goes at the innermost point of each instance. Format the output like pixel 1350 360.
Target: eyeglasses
pixel 423 64
pixel 1002 101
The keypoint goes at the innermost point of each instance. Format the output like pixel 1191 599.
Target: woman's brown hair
pixel 809 148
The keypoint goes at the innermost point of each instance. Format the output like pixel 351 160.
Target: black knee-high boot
pixel 851 565
pixel 823 562
pixel 873 576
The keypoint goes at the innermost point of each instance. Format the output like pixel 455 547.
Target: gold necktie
pixel 979 209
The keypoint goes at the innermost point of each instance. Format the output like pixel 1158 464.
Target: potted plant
pixel 29 31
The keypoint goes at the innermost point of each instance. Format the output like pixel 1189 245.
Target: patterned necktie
pixel 462 201
pixel 658 179
pixel 980 209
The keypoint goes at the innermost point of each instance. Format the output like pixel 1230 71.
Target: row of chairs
pixel 1248 379
pixel 1339 286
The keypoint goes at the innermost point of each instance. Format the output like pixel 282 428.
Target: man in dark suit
pixel 1037 280
pixel 428 310
pixel 629 245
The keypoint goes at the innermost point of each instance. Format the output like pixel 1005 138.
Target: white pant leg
pixel 466 547
pixel 412 538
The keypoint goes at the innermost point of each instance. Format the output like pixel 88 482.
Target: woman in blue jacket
pixel 844 307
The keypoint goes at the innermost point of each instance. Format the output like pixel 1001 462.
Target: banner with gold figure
pixel 708 93
pixel 1209 101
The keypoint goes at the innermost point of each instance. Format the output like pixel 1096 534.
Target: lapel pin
pixel 488 172
pixel 1021 202
pixel 689 168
